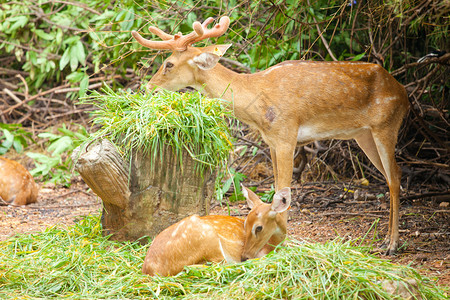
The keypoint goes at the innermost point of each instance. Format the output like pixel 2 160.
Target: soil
pixel 319 212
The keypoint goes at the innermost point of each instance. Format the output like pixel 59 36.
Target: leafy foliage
pixel 56 167
pixel 53 41
pixel 235 179
pixel 79 263
pixel 71 40
pixel 13 136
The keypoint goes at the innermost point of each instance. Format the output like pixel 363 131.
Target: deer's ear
pixel 252 199
pixel 218 49
pixel 281 200
pixel 209 58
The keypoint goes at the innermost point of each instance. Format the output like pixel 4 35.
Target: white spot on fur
pixel 266 72
pixel 388 99
pixel 174 233
pixel 308 133
pixel 231 241
pixel 225 255
pixel 384 100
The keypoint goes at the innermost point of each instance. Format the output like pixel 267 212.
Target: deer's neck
pixel 220 82
pixel 230 86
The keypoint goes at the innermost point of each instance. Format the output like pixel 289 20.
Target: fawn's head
pixel 265 222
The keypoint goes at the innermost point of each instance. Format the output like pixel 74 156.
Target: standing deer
pixel 295 102
pixel 196 240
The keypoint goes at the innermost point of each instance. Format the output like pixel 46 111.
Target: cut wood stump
pixel 140 199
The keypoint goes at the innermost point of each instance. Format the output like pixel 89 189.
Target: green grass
pixel 78 263
pixel 149 122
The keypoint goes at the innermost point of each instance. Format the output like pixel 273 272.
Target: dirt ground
pixel 319 212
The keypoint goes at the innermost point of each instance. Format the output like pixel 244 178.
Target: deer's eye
pixel 169 64
pixel 258 229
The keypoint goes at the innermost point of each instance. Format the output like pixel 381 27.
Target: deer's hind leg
pixel 379 146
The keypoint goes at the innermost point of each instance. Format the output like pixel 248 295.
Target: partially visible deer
pixel 295 102
pixel 17 186
pixel 196 240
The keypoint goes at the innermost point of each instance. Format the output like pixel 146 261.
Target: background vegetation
pixel 53 51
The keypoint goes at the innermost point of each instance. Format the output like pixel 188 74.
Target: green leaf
pixel 75 77
pixel 359 56
pixel 72 40
pixel 64 59
pixel 226 186
pixel 80 54
pixel 44 163
pixel 18 145
pixel 42 34
pixel 128 21
pixel 60 145
pixel 32 56
pixel 83 85
pixel 48 135
pixel 37 156
pixel 9 139
pixel 73 58
pixel 19 21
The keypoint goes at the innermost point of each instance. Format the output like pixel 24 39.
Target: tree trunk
pixel 140 199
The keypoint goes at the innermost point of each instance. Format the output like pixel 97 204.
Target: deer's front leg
pixel 284 165
pixel 273 156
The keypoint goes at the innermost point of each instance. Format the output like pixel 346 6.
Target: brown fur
pixel 196 240
pixel 17 186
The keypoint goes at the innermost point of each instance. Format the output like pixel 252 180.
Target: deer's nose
pixel 244 258
pixel 152 88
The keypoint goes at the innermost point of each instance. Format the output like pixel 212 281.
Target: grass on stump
pixel 149 122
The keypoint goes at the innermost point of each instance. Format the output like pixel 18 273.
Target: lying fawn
pixel 196 240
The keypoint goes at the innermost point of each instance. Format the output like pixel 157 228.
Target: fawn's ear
pixel 210 56
pixel 252 199
pixel 281 200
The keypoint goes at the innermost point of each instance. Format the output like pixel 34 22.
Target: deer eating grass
pixel 295 103
pixel 196 240
pixel 17 186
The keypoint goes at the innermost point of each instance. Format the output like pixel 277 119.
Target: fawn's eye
pixel 169 64
pixel 258 229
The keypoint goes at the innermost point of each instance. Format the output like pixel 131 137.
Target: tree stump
pixel 140 199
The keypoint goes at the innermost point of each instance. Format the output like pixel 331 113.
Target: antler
pixel 180 42
pixel 216 31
